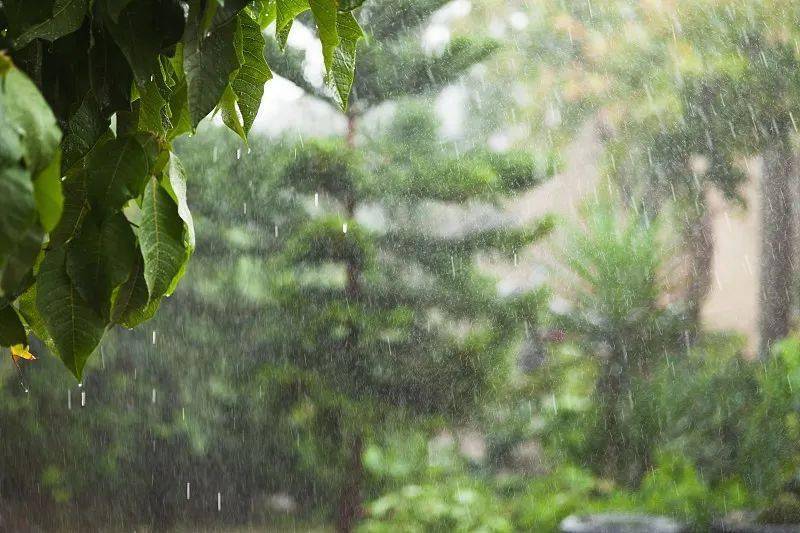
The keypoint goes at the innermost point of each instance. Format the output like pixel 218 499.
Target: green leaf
pixel 343 64
pixel 138 37
pixel 349 5
pixel 11 149
pixel 209 62
pixel 161 236
pixel 175 185
pixel 18 208
pixel 263 12
pixel 179 99
pixel 285 12
pixel 115 7
pixel 227 10
pixel 30 314
pixel 117 171
pixel 100 259
pixel 84 130
pixel 151 108
pixel 30 135
pixel 208 15
pixel 17 272
pixel 22 14
pixel 110 75
pixel 33 320
pixel 47 192
pixel 73 325
pixel 176 188
pixel 11 329
pixel 325 18
pixel 248 85
pixel 231 116
pixel 179 105
pixel 76 207
pixel 32 118
pixel 66 17
pixel 132 304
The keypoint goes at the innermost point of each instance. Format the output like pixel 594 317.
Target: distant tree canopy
pixel 388 320
pixel 686 93
pixel 95 229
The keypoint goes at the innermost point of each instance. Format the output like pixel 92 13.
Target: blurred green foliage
pixel 615 279
pixel 329 341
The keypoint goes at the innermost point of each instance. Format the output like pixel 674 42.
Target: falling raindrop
pixel 276 230
pixel 238 153
pixel 154 337
pixel 453 266
pixel 154 395
pixel 183 414
pixel 344 227
pixel 316 199
pixel 244 208
pixel 219 501
pixel 188 491
pixel 515 259
pixel 69 399
pixel 83 398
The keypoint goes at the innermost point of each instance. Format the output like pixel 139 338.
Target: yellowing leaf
pixel 21 351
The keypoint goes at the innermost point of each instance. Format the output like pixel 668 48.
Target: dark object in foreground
pixel 744 522
pixel 620 523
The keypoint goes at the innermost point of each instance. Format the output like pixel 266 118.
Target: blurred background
pixel 545 265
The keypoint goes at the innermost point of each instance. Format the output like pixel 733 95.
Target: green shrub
pixel 615 265
pixel 456 504
pixel 673 488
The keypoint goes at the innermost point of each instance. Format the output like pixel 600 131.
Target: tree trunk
pixel 349 508
pixel 776 269
pixel 612 385
pixel 608 389
pixel 699 239
pixel 350 499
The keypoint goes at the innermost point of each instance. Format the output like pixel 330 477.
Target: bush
pixel 455 504
pixel 429 486
pixel 615 267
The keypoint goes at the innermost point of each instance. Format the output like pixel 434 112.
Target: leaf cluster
pixel 96 229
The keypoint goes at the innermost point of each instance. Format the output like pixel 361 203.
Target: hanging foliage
pixel 95 229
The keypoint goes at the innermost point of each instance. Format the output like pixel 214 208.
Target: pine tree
pixel 386 314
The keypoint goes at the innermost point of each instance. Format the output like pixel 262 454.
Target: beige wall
pixel 733 302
